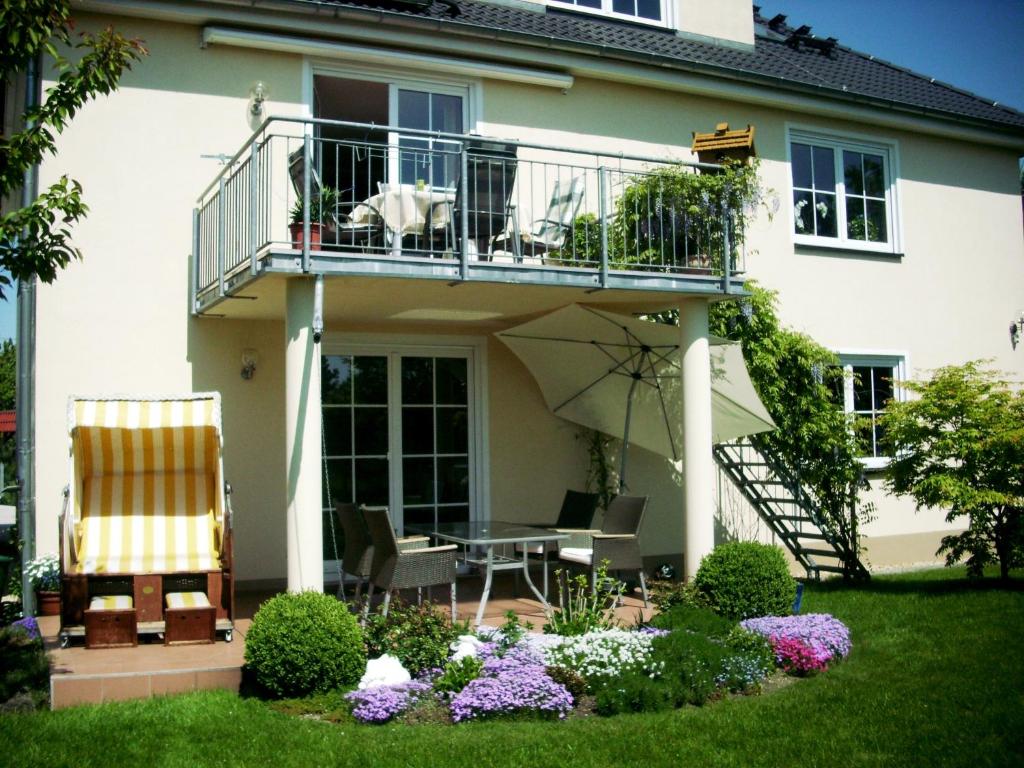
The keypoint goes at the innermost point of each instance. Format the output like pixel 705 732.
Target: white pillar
pixel 698 461
pixel 302 418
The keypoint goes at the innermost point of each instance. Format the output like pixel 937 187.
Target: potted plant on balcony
pixel 322 211
pixel 44 571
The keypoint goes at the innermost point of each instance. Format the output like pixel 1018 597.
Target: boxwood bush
pixel 743 579
pixel 302 643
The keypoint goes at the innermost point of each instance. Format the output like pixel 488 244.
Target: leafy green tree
pixel 35 241
pixel 960 445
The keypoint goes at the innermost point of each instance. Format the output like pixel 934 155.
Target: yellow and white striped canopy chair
pixel 146 520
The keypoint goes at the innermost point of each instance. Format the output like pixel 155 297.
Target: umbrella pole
pixel 625 435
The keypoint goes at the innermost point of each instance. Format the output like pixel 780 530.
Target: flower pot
pixel 314 235
pixel 47 603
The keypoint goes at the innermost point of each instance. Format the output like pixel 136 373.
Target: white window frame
pixel 667 12
pixel 469 88
pixel 876 359
pixel 837 142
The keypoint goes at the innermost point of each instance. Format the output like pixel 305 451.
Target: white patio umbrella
pixel 621 375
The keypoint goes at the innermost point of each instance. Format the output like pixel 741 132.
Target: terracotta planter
pixel 47 603
pixel 314 235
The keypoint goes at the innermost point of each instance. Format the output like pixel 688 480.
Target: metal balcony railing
pixel 340 190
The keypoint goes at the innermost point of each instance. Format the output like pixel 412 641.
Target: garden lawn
pixel 936 677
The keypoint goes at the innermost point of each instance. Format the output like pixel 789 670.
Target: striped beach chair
pixel 146 525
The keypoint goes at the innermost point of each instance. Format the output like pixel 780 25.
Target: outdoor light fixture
pixel 249 359
pixel 258 94
pixel 1016 328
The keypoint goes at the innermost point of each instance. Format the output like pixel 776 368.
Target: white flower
pixel 465 645
pixel 387 670
pixel 822 209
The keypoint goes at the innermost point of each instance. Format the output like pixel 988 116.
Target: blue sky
pixel 978 46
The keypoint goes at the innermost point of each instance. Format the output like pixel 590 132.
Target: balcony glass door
pixel 398 431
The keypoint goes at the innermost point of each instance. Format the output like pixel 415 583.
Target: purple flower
pixel 380 704
pixel 653 631
pixel 807 642
pixel 29 626
pixel 509 684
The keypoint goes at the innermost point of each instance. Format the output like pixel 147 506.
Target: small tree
pixel 35 241
pixel 960 445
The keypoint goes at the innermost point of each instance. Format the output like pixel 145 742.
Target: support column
pixel 698 461
pixel 302 416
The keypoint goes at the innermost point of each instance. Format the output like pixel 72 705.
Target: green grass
pixel 936 677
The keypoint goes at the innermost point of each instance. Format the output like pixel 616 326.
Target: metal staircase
pixel 819 544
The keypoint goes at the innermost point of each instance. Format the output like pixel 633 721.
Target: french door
pixel 398 430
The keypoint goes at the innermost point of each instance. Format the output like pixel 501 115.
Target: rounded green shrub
pixel 743 579
pixel 302 643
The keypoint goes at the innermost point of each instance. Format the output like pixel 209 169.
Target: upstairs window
pixel 650 11
pixel 843 193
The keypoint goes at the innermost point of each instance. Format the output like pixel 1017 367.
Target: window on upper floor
pixel 868 385
pixel 649 11
pixel 844 193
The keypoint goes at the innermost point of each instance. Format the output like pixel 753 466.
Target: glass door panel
pixel 435 439
pixel 431 161
pixel 354 396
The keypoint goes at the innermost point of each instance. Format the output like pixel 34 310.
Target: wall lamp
pixel 1016 328
pixel 257 95
pixel 249 359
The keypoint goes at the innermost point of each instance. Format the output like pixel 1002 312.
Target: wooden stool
pixel 189 619
pixel 110 622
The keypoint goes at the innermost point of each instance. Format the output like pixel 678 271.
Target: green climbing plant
pixel 797 379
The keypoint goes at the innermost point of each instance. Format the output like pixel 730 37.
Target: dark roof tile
pixel 842 72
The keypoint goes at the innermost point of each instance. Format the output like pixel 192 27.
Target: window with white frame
pixel 843 192
pixel 650 11
pixel 869 383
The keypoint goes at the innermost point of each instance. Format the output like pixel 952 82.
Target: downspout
pixel 25 391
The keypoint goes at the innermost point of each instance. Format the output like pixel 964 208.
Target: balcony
pixel 350 199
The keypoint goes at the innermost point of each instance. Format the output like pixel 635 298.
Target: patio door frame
pixel 470 90
pixel 471 348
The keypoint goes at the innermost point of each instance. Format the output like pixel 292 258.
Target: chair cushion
pixel 149 523
pixel 533 549
pixel 187 600
pixel 111 603
pixel 576 555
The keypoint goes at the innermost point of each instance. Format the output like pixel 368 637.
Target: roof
pixel 783 56
pixel 723 138
pixel 8 421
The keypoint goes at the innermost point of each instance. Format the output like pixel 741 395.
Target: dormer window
pixel 647 11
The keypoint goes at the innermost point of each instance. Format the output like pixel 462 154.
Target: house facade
pixel 367 368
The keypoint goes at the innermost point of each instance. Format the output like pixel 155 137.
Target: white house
pixel 896 241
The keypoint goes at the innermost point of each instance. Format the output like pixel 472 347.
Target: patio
pixel 81 676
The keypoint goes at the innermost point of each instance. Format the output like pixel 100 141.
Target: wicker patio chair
pixel 392 568
pixel 618 541
pixel 357 555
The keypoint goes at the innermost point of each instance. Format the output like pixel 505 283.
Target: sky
pixel 976 45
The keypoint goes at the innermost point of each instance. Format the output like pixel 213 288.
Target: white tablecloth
pixel 405 209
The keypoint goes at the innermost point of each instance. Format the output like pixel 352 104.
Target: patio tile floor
pixel 81 676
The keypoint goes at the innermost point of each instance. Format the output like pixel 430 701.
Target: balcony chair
pixel 491 173
pixel 357 555
pixel 548 233
pixel 618 541
pixel 339 229
pixel 145 543
pixel 393 568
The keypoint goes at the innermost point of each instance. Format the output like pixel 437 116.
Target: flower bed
pixel 803 644
pixel 511 673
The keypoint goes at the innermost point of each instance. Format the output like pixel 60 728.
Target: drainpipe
pixel 25 392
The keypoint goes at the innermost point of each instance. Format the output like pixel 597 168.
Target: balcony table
pixel 405 210
pixel 486 535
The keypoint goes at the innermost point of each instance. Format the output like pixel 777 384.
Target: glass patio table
pixel 486 536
